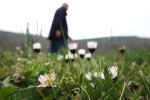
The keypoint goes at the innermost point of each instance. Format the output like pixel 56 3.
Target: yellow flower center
pixel 48 82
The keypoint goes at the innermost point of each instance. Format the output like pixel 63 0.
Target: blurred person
pixel 58 34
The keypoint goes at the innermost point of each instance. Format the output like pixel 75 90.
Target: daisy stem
pixel 94 62
pixel 85 92
pixel 39 60
pixel 122 91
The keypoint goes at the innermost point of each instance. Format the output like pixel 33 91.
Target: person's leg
pixel 61 46
pixel 57 46
pixel 53 47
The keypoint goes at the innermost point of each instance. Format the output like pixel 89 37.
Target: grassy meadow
pixel 19 74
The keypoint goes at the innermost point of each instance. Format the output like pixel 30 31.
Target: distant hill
pixel 113 43
pixel 9 41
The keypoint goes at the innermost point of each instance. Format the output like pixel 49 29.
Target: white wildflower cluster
pixel 90 75
pixel 113 70
pixel 47 80
pixel 91 45
pixel 69 56
pixel 47 63
pixel 23 60
pixel 99 75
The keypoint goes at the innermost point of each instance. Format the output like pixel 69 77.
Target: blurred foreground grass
pixel 19 77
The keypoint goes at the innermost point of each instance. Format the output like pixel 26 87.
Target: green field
pixel 19 75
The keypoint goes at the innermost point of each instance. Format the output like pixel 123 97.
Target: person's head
pixel 65 5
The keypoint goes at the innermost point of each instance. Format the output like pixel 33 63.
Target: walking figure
pixel 58 34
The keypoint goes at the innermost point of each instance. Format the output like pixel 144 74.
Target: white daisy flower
pixel 133 63
pixel 81 52
pixel 47 80
pixel 88 76
pixel 92 44
pixel 18 48
pixel 113 70
pixel 92 84
pixel 37 47
pixel 95 74
pixel 69 56
pixel 19 59
pixel 88 56
pixel 73 47
pixel 122 49
pixel 99 75
pixel 47 64
pixel 75 55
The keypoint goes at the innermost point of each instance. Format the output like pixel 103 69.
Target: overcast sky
pixel 86 18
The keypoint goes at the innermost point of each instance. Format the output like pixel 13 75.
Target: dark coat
pixel 58 21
